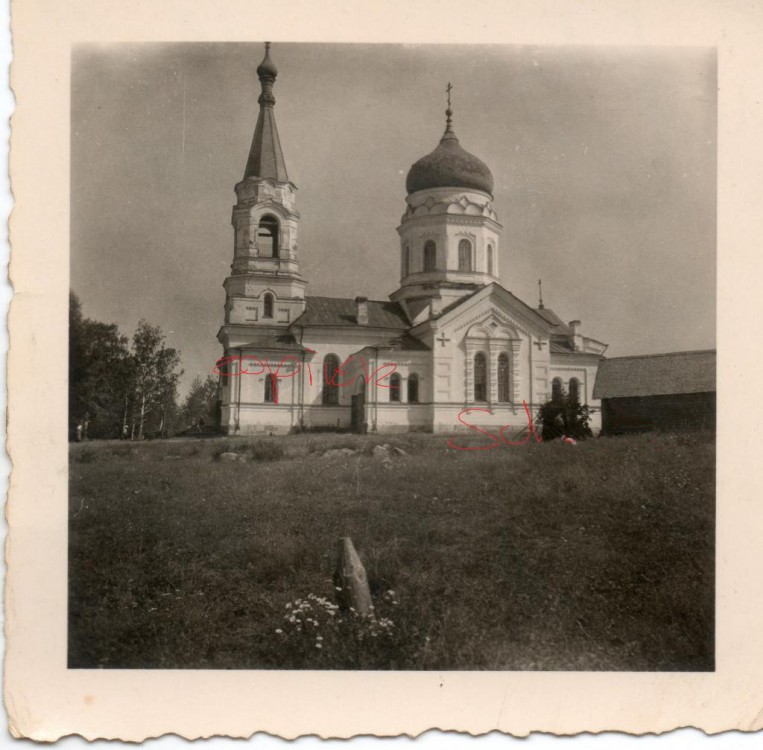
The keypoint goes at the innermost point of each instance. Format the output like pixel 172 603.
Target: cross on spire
pixel 540 295
pixel 448 111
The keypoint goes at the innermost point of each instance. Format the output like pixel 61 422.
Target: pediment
pixel 494 313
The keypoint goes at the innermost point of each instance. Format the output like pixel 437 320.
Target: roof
pixel 449 165
pixel 271 340
pixel 559 326
pixel 407 343
pixel 656 374
pixel 341 312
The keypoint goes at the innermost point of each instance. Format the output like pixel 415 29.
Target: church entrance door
pixel 358 412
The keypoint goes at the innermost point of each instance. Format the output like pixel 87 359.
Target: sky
pixel 604 161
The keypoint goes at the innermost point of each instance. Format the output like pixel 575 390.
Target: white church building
pixel 449 348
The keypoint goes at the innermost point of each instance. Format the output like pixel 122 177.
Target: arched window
pixel 574 390
pixel 267 237
pixel 267 306
pixel 394 387
pixel 480 377
pixel 490 260
pixel 464 255
pixel 503 378
pixel 413 388
pixel 406 261
pixel 430 256
pixel 271 389
pixel 330 377
pixel 556 389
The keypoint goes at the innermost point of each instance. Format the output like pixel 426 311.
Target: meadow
pixel 597 556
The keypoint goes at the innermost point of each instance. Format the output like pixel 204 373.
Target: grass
pixel 598 556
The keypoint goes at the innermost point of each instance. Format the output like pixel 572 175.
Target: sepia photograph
pixel 392 357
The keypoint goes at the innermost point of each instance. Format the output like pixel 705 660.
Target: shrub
pixel 563 415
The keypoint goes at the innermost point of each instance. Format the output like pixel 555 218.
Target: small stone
pixel 338 452
pixel 229 456
pixel 399 451
pixel 380 452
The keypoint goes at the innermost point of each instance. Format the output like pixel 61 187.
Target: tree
pixel 201 402
pixel 154 376
pixel 115 390
pixel 562 415
pixel 98 366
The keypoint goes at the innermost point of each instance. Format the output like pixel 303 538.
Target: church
pixel 449 349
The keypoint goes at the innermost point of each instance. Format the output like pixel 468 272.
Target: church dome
pixel 449 165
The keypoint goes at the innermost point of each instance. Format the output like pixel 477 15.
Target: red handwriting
pixel 330 379
pixel 497 440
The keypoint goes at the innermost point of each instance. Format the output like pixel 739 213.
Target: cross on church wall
pixel 442 339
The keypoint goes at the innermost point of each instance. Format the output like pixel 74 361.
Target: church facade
pixel 449 348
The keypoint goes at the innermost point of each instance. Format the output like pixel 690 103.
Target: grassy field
pixel 598 556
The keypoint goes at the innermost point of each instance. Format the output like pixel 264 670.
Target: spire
pixel 265 156
pixel 540 295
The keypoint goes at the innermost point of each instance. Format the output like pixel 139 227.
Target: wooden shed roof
pixel 656 374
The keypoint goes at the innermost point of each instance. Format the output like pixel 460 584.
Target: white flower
pixel 318 645
pixel 278 630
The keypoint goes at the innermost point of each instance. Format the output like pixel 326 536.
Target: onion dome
pixel 449 165
pixel 267 67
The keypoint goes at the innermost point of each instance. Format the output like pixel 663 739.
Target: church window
pixel 330 377
pixel 267 237
pixel 556 389
pixel 406 261
pixel 267 304
pixel 503 378
pixel 430 256
pixel 490 260
pixel 413 389
pixel 394 387
pixel 574 390
pixel 480 377
pixel 464 255
pixel 271 389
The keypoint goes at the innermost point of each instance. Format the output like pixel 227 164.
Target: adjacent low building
pixel 673 391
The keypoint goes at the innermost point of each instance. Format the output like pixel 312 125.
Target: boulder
pixel 399 452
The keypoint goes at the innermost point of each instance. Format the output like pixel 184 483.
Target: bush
pixel 563 415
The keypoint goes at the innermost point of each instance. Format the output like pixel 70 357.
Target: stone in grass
pixel 229 456
pixel 338 452
pixel 380 452
pixel 399 451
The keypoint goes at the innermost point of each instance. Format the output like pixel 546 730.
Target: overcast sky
pixel 604 162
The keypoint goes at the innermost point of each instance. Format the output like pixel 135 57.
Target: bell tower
pixel 265 287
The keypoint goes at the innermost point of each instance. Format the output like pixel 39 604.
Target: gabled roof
pixel 531 312
pixel 341 312
pixel 656 374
